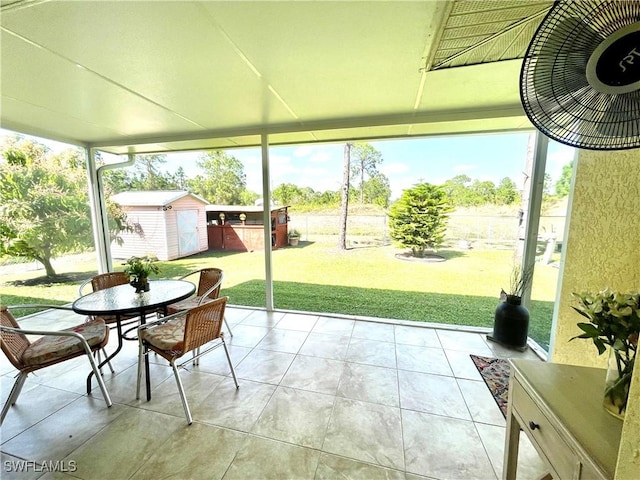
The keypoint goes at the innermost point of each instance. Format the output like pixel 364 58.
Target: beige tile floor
pixel 319 397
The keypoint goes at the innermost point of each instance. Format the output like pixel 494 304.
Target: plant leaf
pixel 589 329
pixel 584 314
pixel 583 335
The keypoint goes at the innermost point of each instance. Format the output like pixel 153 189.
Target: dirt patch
pixel 428 258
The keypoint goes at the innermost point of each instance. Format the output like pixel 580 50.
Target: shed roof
pixel 153 198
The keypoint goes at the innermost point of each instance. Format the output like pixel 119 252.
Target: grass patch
pixel 450 309
pixel 316 277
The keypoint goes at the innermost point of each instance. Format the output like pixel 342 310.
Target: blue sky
pixel 405 161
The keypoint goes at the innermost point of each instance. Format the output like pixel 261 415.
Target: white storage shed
pixel 169 224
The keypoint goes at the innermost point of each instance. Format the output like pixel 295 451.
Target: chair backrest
pixel 210 277
pixel 109 279
pixel 13 344
pixel 203 324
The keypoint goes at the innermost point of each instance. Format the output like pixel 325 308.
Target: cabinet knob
pixel 533 425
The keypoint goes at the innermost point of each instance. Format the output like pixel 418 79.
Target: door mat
pixel 495 373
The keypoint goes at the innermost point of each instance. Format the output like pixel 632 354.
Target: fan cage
pixel 554 90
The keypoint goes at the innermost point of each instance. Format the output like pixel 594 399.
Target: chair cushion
pixel 166 336
pixel 50 348
pixel 187 304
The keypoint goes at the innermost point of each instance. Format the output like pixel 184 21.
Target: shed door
pixel 187 231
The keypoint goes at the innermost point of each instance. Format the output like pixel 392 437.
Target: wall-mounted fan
pixel 580 79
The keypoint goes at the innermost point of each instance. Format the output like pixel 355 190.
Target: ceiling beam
pixel 334 124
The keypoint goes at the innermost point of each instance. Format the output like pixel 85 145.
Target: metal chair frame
pixel 191 342
pixel 24 370
pixel 207 293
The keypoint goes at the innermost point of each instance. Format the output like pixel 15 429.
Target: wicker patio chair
pixel 52 348
pixel 100 282
pixel 209 284
pixel 107 280
pixel 175 335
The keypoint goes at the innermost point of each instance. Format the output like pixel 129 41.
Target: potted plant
pixel 138 269
pixel 613 324
pixel 511 319
pixel 294 237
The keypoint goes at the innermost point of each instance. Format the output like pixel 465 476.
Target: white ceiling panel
pixel 140 76
pixel 481 125
pixel 333 59
pixel 292 137
pixel 476 87
pixel 36 120
pixel 361 133
pixel 169 53
pixel 58 85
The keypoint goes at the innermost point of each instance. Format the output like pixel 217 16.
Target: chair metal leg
pixel 98 356
pixel 103 387
pixel 117 350
pixel 141 354
pixel 183 397
pixel 98 359
pixel 228 327
pixel 195 357
pixel 104 352
pixel 13 395
pixel 233 372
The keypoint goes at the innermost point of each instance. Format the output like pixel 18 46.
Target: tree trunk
pixel 361 183
pixel 344 207
pixel 48 268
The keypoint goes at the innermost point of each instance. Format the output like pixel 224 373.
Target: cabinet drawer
pixel 558 454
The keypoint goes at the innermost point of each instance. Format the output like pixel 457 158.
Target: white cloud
pixel 306 166
pixel 438 180
pixel 394 168
pixel 558 158
pixel 254 181
pixel 318 178
pixel 278 162
pixel 562 154
pixel 464 168
pixel 400 185
pixel 321 156
pixel 303 151
pixel 311 153
pixel 252 161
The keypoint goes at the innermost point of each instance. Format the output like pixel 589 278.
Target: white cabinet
pixel 559 407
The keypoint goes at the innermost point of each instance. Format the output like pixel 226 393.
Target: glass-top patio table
pixel 122 300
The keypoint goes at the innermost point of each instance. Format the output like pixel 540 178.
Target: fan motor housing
pixel 614 66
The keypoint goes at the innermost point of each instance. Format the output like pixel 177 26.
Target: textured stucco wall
pixel 603 242
pixel 602 250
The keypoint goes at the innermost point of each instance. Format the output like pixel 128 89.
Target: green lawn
pixel 316 277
